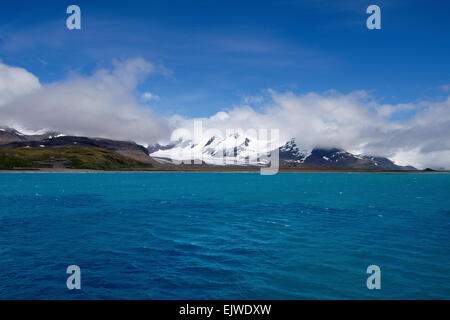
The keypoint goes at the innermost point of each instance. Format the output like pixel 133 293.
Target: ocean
pixel 224 235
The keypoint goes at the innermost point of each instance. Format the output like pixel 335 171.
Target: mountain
pixel 342 159
pixel 388 164
pixel 334 157
pixel 290 152
pixel 8 135
pixel 234 149
pixel 156 147
pixel 243 150
pixel 53 150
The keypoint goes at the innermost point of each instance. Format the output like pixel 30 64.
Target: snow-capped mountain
pixel 290 152
pixel 234 149
pixel 237 149
pixel 342 159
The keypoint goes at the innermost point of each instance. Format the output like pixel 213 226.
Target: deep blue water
pixel 224 235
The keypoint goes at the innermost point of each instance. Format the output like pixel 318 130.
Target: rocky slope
pixel 126 152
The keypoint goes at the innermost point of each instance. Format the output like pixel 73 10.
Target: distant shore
pixel 212 170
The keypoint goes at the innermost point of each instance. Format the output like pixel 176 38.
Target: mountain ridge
pixel 55 150
pixel 290 155
pixel 219 152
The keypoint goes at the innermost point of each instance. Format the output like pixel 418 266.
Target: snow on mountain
pixel 290 152
pixel 8 135
pixel 342 159
pixel 237 149
pixel 233 149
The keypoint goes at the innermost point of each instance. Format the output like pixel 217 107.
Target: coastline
pixel 224 170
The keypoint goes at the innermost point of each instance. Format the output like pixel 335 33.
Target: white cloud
pixel 15 82
pixel 101 105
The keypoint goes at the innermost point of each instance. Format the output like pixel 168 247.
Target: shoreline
pixel 215 171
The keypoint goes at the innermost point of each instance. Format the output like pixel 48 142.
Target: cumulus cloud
pixel 15 82
pixel 100 105
pixel 354 122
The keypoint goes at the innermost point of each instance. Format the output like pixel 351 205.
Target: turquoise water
pixel 224 235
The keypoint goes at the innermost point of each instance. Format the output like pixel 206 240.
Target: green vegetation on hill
pixel 71 157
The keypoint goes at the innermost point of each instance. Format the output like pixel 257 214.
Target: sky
pixel 136 63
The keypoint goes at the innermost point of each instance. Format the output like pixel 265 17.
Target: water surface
pixel 224 235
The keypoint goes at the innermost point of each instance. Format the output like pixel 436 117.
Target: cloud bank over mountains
pixel 106 104
pixel 101 105
pixel 355 122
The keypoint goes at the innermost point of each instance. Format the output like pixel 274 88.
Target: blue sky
pixel 216 53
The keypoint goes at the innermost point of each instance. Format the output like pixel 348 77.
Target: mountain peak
pixel 290 152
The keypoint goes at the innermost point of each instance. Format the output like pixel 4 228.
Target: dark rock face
pixel 9 135
pixel 334 157
pixel 80 141
pixel 210 141
pixel 339 158
pixel 291 154
pixel 388 164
